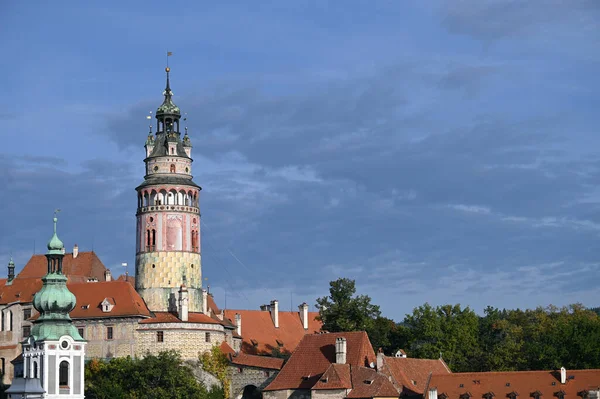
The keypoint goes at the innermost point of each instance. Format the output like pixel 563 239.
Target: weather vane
pixel 56 212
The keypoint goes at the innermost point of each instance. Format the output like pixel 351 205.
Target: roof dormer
pixel 107 304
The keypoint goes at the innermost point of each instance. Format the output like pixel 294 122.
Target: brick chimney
pixel 238 323
pixel 304 315
pixel 205 302
pixel 340 350
pixel 107 274
pixel 182 307
pixel 275 312
pixel 75 251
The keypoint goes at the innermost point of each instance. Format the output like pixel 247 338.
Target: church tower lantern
pixel 168 216
pixel 54 353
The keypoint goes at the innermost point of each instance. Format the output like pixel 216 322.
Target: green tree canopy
pixel 161 376
pixel 343 311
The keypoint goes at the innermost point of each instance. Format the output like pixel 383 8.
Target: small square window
pixel 207 337
pixel 26 331
pixel 81 331
pixel 109 333
pixel 26 313
pixel 160 337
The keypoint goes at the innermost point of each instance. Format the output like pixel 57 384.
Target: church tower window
pixel 63 374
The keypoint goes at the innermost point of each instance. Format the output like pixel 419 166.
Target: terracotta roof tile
pixel 413 374
pixel 521 382
pixel 87 264
pixel 167 317
pixel 257 326
pixel 8 347
pixel 21 290
pixel 127 302
pixel 212 305
pixel 129 279
pixel 263 362
pixel 314 355
pixel 367 383
pixel 337 376
pixel 226 349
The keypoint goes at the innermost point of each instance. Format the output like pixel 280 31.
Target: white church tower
pixel 53 355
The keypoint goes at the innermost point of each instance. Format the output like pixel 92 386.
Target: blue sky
pixel 433 151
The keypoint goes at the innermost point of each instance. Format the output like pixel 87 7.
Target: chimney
pixel 340 350
pixel 75 251
pixel 380 359
pixel 107 274
pixel 563 375
pixel 64 251
pixel 205 302
pixel 238 323
pixel 304 315
pixel 11 270
pixel 433 393
pixel 264 307
pixel 183 303
pixel 275 312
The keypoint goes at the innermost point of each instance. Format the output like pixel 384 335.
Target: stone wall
pixel 10 339
pixel 329 394
pixel 283 394
pixel 99 346
pixel 189 339
pixel 241 376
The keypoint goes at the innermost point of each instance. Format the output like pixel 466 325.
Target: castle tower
pixel 168 216
pixel 53 355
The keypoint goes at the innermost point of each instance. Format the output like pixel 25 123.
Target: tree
pixel 161 376
pixel 342 311
pixel 216 363
pixel 447 331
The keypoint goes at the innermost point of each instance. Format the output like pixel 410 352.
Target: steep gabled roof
pixel 368 383
pixel 127 302
pixel 314 355
pixel 79 269
pixel 21 290
pixel 263 362
pixel 337 376
pixel 413 374
pixel 524 383
pixel 260 335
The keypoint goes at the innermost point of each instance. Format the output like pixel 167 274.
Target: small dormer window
pixel 536 395
pixel 560 394
pixel 488 395
pixel 279 343
pixel 465 395
pixel 443 396
pixel 107 305
pixel 368 382
pixel 85 306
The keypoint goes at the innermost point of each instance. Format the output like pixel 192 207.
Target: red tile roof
pixel 87 264
pixel 127 302
pixel 167 317
pixel 212 305
pixel 226 349
pixel 258 327
pixel 314 355
pixel 263 362
pixel 413 374
pixel 129 279
pixel 524 383
pixel 337 376
pixel 21 290
pixel 368 383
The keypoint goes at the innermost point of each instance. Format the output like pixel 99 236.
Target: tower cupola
pixel 11 270
pixel 54 301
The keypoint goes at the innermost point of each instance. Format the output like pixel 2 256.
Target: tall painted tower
pixel 168 216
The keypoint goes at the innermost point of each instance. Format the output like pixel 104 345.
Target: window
pixel 513 394
pixel 109 332
pixel 488 395
pixel 266 373
pixel 35 370
pixel 443 396
pixel 63 374
pixel 160 336
pixel 10 324
pixel 536 395
pixel 81 331
pixel 2 326
pixel 26 313
pixel 3 363
pixel 466 395
pixel 207 337
pixel 26 331
pixel 560 394
pixel 583 394
pixel 172 166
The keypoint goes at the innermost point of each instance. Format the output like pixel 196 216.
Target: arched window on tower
pixel 63 374
pixel 148 242
pixel 172 166
pixel 153 238
pixel 35 370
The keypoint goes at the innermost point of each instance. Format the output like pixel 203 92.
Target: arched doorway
pixel 251 392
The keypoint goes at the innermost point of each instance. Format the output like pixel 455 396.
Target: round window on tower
pixel 153 266
pixel 64 344
pixel 151 219
pixel 187 170
pixel 156 168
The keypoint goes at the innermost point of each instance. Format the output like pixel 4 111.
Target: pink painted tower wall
pixel 168 252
